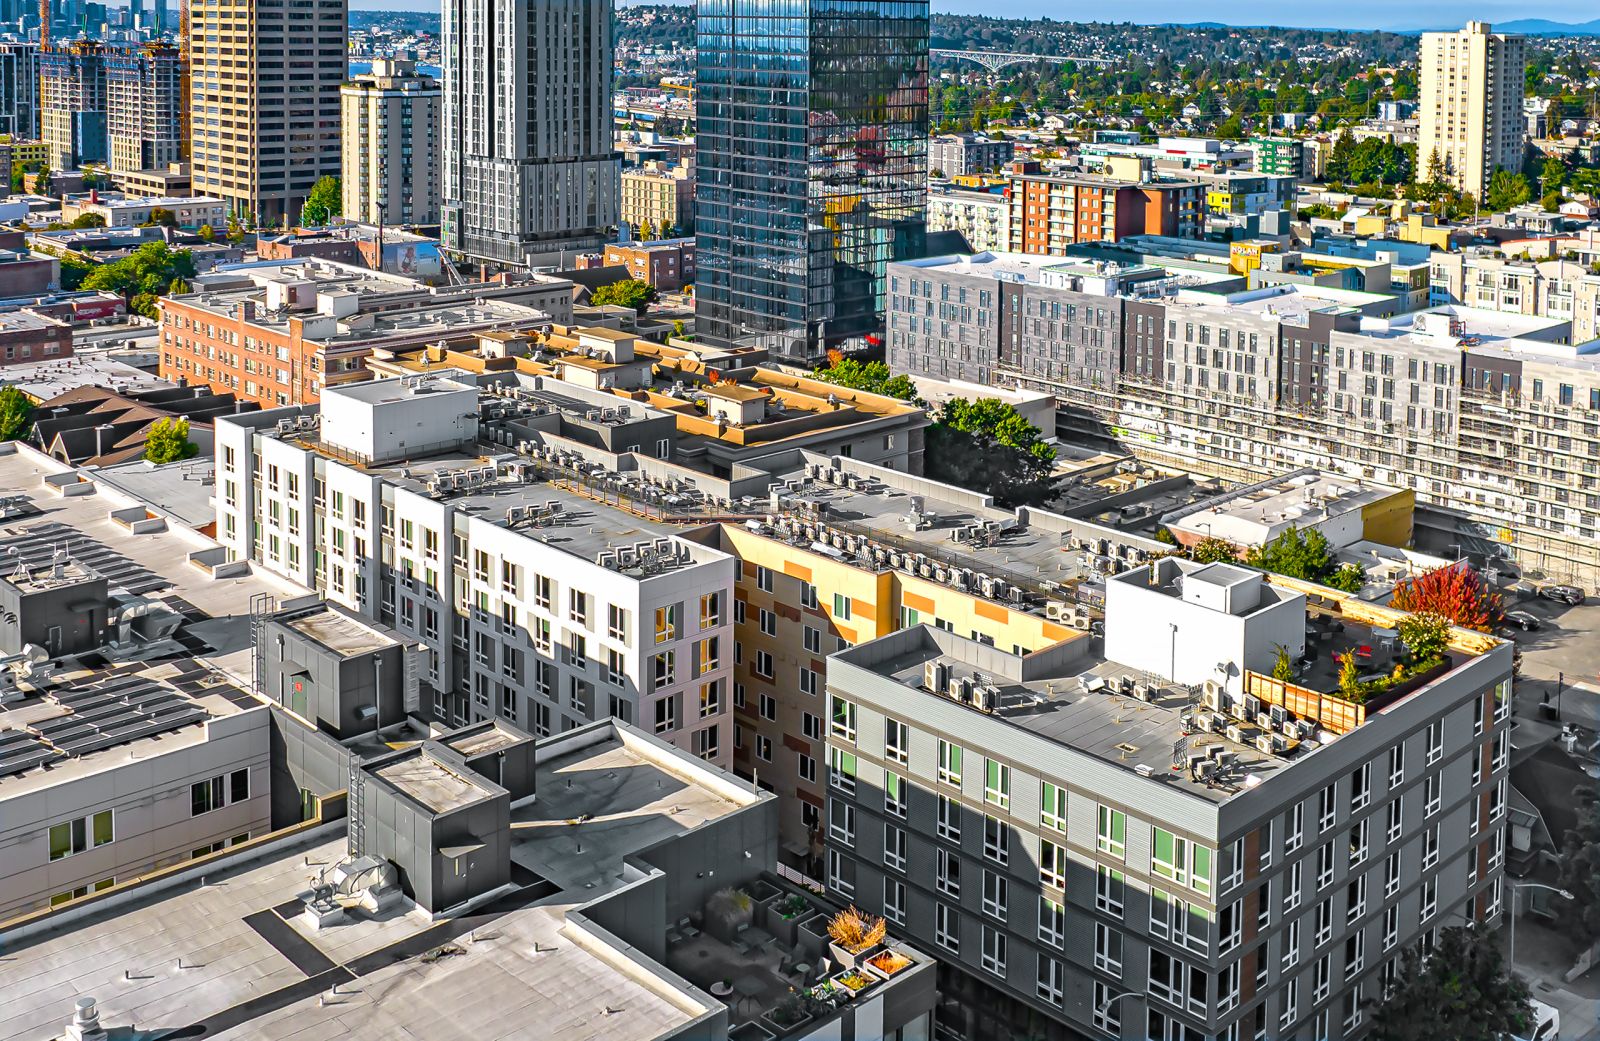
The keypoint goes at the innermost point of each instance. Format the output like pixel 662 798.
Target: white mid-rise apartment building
pixel 983 218
pixel 391 145
pixel 535 603
pixel 1470 84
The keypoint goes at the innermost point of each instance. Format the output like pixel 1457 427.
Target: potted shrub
pixel 853 981
pixel 886 963
pixel 789 1013
pixel 855 935
pixel 726 911
pixel 751 1031
pixel 762 894
pixel 813 934
pixel 784 916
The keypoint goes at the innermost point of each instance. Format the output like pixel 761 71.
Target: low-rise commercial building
pixel 1154 817
pixel 955 155
pixel 982 218
pixel 667 265
pixel 120 210
pixel 1341 510
pixel 28 336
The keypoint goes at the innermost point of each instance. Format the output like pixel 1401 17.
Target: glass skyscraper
pixel 811 143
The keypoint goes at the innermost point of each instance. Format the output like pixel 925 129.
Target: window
pixel 1106 1013
pixel 949 763
pixel 1355 895
pixel 1360 787
pixel 1053 807
pixel 1052 864
pixel 1175 982
pixel 1169 856
pixel 1171 918
pixel 894 794
pixel 767 621
pixel 996 840
pixel 83 833
pixel 1291 886
pixel 82 891
pixel 894 847
pixel 705 742
pixel 1432 794
pixel 1394 819
pixel 844 719
pixel 1295 828
pixel 710 610
pixel 841 822
pixel 997 783
pixel 1323 923
pixel 1430 847
pixel 764 748
pixel 949 823
pixel 841 607
pixel 1052 922
pixel 1327 808
pixel 994 951
pixel 205 796
pixel 666 623
pixel 1324 865
pixel 1112 836
pixel 1320 980
pixel 664 669
pixel 767 705
pixel 995 891
pixel 1052 979
pixel 896 741
pixel 1391 926
pixel 842 770
pixel 838 880
pixel 1355 954
pixel 1352 1008
pixel 948 874
pixel 894 900
pixel 1435 741
pixel 1108 890
pixel 810 724
pixel 1397 766
pixel 763 579
pixel 947 928
pixel 1358 842
pixel 1291 1004
pixel 809 682
pixel 666 715
pixel 1291 945
pixel 1107 949
pixel 1391 874
pixel 808 596
pixel 808 768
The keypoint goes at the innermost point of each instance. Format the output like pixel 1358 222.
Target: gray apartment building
pixel 954 155
pixel 1145 835
pixel 1493 419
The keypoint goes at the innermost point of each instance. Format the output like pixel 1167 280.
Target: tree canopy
pixel 16 414
pixel 1580 869
pixel 149 273
pixel 1457 593
pixel 873 377
pixel 325 202
pixel 987 446
pixel 630 292
pixel 168 441
pixel 1461 989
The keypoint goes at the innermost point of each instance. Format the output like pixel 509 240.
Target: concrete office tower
pixel 19 89
pixel 391 145
pixel 72 112
pixel 146 109
pixel 264 98
pixel 811 166
pixel 1471 105
pixel 529 167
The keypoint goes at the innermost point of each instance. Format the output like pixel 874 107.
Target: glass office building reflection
pixel 811 144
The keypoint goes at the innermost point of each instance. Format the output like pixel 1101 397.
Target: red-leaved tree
pixel 1457 593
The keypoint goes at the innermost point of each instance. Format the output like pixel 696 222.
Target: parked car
pixel 1522 620
pixel 1562 594
pixel 1546 1023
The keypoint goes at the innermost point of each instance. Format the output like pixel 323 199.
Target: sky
pixel 1348 14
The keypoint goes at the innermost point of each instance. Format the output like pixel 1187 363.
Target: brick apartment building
pixel 26 336
pixel 1051 211
pixel 667 265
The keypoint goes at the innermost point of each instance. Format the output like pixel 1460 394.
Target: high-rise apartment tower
pixel 811 166
pixel 391 145
pixel 265 101
pixel 1470 84
pixel 146 117
pixel 529 167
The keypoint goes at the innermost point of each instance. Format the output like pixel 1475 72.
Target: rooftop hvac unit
pixel 960 688
pixel 986 697
pixel 1235 733
pixel 606 558
pixel 1264 720
pixel 1143 693
pixel 1056 611
pixel 1279 716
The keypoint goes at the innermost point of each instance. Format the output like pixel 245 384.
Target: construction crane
pixel 44 26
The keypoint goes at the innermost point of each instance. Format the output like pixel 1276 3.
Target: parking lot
pixel 1566 645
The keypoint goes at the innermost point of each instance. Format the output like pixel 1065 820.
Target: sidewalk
pixel 1543 958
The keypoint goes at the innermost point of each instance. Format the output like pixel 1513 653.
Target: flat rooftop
pixel 431 783
pixel 95 720
pixel 43 380
pixel 254 972
pixel 183 489
pixel 342 633
pixel 1301 499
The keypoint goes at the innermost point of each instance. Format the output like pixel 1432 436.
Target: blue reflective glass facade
pixel 811 143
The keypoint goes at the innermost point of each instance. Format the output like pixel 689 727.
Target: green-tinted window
pixel 102 828
pixel 1053 807
pixel 1200 874
pixel 61 840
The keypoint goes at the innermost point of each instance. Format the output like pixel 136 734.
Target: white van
pixel 1546 1023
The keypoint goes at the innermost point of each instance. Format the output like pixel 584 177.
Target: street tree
pixel 1460 989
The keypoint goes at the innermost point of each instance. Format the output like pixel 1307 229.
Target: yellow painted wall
pixel 1390 521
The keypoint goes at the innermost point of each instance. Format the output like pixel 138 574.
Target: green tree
pixel 986 445
pixel 88 220
pixel 16 414
pixel 325 202
pixel 207 233
pixel 162 217
pixel 1210 550
pixel 1580 869
pixel 1295 553
pixel 873 377
pixel 1282 667
pixel 1506 190
pixel 1425 635
pixel 630 292
pixel 168 441
pixel 144 276
pixel 1347 578
pixel 677 327
pixel 1461 989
